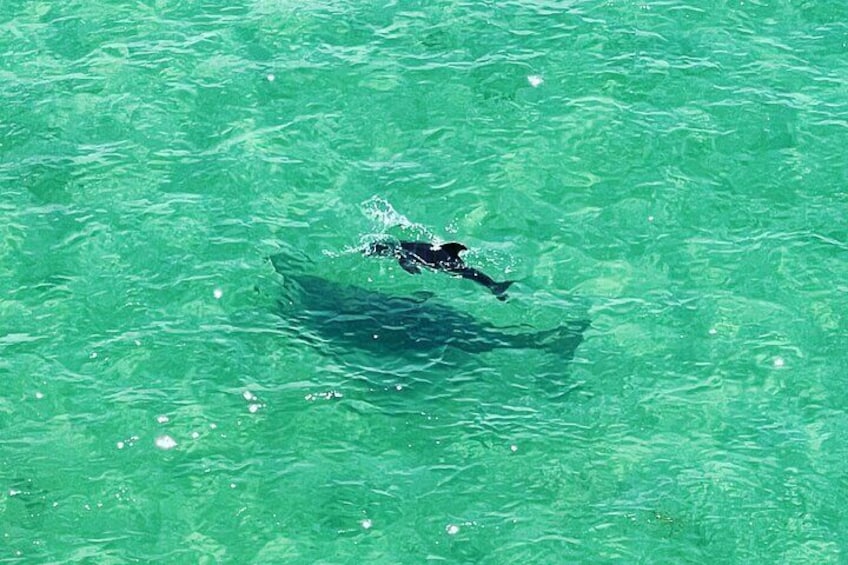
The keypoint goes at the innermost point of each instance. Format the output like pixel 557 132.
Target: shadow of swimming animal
pixel 323 310
pixel 412 255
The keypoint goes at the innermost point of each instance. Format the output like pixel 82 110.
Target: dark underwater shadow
pixel 329 314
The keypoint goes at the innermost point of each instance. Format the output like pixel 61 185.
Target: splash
pixel 383 214
pixel 384 217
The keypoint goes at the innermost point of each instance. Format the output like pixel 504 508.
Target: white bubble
pixel 120 445
pixel 254 408
pixel 452 529
pixel 271 77
pixel 513 448
pixel 165 442
pixel 232 485
pixel 218 293
pixel 778 362
pixel 398 388
pixel 93 355
pixel 249 396
pixel 366 523
pixel 213 425
pixel 535 80
pixel 162 419
pixel 712 331
pixel 39 395
pixel 650 218
pixel 195 435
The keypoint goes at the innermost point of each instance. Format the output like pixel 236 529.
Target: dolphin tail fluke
pixel 499 289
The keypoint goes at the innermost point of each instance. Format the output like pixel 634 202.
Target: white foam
pixel 165 442
pixel 535 80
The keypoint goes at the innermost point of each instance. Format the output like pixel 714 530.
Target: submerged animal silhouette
pixel 326 312
pixel 412 255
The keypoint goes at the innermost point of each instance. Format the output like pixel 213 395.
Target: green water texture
pixel 675 172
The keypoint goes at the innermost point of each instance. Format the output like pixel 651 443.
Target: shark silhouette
pixel 412 255
pixel 323 310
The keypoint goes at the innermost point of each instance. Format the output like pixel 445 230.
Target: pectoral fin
pixel 409 266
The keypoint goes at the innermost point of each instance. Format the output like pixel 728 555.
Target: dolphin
pixel 320 310
pixel 412 255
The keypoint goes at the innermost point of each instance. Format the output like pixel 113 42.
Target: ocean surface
pixel 673 174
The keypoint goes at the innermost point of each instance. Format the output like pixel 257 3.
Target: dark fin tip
pixel 453 248
pixel 499 289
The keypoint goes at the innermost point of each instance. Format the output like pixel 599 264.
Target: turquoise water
pixel 675 173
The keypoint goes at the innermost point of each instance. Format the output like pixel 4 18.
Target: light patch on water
pixel 271 77
pixel 513 448
pixel 217 293
pixel 39 395
pixel 535 80
pixel 779 362
pixel 249 396
pixel 254 408
pixel 452 529
pixel 366 524
pixel 162 419
pixel 165 442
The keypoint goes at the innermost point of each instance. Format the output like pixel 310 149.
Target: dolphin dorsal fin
pixel 454 249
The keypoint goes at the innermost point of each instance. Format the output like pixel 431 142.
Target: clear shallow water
pixel 674 172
